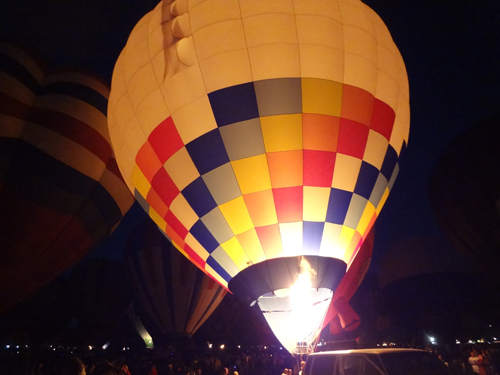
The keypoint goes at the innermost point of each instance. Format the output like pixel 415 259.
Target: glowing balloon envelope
pixel 263 138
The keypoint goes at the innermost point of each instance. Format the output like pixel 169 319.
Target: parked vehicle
pixel 375 362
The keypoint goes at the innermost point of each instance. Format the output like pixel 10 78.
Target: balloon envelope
pixel 175 297
pixel 262 137
pixel 61 191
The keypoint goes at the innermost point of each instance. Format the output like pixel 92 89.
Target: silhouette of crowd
pixel 461 360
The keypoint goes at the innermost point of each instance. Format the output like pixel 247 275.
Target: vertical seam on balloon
pixel 265 154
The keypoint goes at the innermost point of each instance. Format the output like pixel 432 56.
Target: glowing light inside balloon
pixel 296 314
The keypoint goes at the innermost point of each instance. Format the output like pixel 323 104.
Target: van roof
pixel 368 351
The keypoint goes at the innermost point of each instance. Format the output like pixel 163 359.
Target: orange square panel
pixel 321 132
pixel 286 168
pixel 261 208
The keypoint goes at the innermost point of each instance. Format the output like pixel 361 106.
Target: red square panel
pixel 318 168
pixel 289 204
pixel 383 119
pixel 352 138
pixel 165 140
pixel 176 225
pixel 165 187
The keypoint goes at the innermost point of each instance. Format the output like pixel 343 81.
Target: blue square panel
pixel 199 197
pixel 208 151
pixel 313 232
pixel 203 236
pixel 367 177
pixel 390 160
pixel 338 204
pixel 234 104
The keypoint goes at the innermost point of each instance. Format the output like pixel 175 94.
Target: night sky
pixel 451 50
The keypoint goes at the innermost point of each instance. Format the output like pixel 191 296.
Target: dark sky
pixel 451 49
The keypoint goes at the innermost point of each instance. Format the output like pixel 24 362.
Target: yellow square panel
pixel 194 119
pixel 328 247
pixel 236 253
pixel 375 150
pixel 226 70
pixel 270 28
pixel 175 89
pixel 251 245
pixel 181 169
pixel 252 174
pixel 344 240
pixel 261 207
pixel 196 246
pixel 183 211
pixel 291 238
pixel 321 96
pixel 286 168
pixel 272 61
pixel 219 38
pixel 140 182
pixel 366 218
pixel 315 203
pixel 345 174
pixel 282 133
pixel 382 201
pixel 237 215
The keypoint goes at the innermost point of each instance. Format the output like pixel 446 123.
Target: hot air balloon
pixel 61 192
pixel 176 298
pixel 263 138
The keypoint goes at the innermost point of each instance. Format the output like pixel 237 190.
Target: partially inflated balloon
pixel 175 296
pixel 263 138
pixel 61 192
